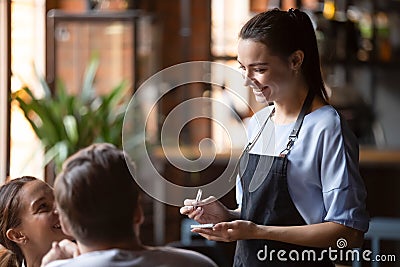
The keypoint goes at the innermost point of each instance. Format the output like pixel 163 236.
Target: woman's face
pixel 268 75
pixel 39 222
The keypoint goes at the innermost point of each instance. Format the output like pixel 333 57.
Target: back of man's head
pixel 97 195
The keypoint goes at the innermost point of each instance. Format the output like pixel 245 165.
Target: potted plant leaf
pixel 65 122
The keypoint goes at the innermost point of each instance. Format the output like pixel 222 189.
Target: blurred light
pixel 329 9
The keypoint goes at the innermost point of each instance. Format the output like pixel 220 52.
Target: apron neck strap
pixel 299 122
pixel 251 144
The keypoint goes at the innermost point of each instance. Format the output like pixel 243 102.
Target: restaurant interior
pixel 105 45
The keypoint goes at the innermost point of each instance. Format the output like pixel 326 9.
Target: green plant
pixel 65 122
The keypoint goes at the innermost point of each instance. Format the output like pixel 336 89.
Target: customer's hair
pixel 10 217
pixel 97 194
pixel 284 33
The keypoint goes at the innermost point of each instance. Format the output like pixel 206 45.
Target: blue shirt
pixel 323 176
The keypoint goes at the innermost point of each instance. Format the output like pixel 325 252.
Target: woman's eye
pixel 43 207
pixel 259 70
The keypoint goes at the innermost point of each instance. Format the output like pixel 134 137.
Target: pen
pixel 198 197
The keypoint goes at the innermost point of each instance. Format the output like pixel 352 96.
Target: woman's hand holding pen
pixel 208 210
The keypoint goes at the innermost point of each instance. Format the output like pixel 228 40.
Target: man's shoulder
pixel 103 258
pixel 177 255
pixel 157 256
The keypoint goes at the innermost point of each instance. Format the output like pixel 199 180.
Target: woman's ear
pixel 296 59
pixel 16 236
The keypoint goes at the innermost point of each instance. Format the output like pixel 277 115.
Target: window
pixel 27 53
pixel 227 18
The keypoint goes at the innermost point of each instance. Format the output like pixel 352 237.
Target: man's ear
pixel 66 228
pixel 65 225
pixel 138 216
pixel 296 59
pixel 16 236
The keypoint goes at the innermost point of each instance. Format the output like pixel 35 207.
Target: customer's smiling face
pixel 40 224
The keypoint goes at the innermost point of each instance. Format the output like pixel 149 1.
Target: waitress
pixel 299 189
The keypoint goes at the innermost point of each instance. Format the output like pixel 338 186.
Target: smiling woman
pixel 28 222
pixel 312 194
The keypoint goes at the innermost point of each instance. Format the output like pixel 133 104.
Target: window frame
pixel 5 81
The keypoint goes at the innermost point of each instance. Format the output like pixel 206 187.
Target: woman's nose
pixel 249 81
pixel 247 76
pixel 55 211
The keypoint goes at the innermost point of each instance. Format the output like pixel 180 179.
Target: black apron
pixel 269 203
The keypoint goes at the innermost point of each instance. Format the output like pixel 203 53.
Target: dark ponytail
pixel 284 33
pixel 11 255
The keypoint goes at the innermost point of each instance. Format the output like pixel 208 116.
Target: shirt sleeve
pixel 343 189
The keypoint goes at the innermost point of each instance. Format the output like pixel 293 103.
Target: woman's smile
pixel 262 94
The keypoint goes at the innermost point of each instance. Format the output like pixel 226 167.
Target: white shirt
pixel 156 257
pixel 323 176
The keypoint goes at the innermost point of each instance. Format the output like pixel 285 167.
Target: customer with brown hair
pixel 28 222
pixel 98 202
